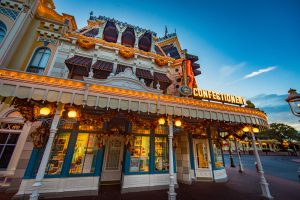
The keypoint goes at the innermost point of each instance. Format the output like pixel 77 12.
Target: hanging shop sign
pixel 216 96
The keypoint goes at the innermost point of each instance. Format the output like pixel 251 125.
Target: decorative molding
pixel 12 14
pixel 125 80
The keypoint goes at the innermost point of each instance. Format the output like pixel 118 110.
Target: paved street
pixel 280 173
pixel 285 167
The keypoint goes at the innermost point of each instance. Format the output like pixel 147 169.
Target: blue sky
pixel 246 47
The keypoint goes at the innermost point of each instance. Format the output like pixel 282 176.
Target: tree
pixel 280 132
pixel 250 104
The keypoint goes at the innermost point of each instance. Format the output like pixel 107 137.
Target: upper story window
pixel 3 30
pixel 39 60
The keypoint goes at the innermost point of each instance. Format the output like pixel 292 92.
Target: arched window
pixel 3 30
pixel 39 60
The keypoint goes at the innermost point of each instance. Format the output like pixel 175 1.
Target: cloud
pixel 277 109
pixel 229 69
pixel 260 71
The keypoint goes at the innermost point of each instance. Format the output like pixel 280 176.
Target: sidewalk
pixel 239 187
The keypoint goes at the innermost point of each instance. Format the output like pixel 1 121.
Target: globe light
pixel 72 114
pixel 44 111
pixel 246 129
pixel 255 130
pixel 178 123
pixel 161 121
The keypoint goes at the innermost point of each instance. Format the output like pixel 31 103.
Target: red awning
pixel 161 78
pixel 79 65
pixel 103 65
pixel 121 68
pixel 143 73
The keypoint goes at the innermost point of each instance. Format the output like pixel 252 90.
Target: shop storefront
pixel 111 103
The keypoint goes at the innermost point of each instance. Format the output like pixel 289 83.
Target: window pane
pixel 36 58
pixel 3 137
pixel 140 130
pixel 5 158
pixel 217 153
pixel 161 129
pixel 13 139
pixel 161 154
pixel 114 150
pixel 44 60
pixel 84 154
pixel 58 153
pixel 139 154
pixel 202 154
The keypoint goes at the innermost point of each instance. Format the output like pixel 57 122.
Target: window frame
pixel 46 52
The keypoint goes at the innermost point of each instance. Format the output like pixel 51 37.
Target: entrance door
pixel 202 159
pixel 112 166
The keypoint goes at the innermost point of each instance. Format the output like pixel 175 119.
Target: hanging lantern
pixel 178 123
pixel 72 114
pixel 45 111
pixel 255 130
pixel 161 121
pixel 246 129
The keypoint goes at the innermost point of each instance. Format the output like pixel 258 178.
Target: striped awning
pixel 161 78
pixel 44 88
pixel 79 65
pixel 103 65
pixel 121 68
pixel 143 73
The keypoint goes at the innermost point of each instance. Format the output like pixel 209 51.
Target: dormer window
pixel 145 42
pixel 128 37
pixel 110 33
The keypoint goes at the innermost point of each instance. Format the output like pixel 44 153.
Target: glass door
pixel 112 167
pixel 202 159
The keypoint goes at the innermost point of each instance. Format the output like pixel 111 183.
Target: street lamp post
pixel 230 155
pixel 177 123
pixel 293 100
pixel 263 182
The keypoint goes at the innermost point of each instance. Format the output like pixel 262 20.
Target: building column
pixel 171 193
pixel 263 182
pixel 11 168
pixel 16 33
pixel 115 67
pixel 41 172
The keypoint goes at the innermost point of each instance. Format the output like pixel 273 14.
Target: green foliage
pixel 280 132
pixel 250 104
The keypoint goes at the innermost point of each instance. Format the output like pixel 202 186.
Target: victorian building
pixel 108 103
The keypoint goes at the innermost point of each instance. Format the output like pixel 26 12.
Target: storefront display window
pixel 140 130
pixel 217 153
pixel 161 154
pixel 161 130
pixel 84 154
pixel 139 154
pixel 217 148
pixel 58 153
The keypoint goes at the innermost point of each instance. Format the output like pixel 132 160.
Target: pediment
pixel 125 80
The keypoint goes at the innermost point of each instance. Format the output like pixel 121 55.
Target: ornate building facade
pixel 109 103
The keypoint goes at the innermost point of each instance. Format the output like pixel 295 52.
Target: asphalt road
pixel 285 167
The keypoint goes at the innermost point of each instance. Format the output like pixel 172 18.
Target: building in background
pixel 94 105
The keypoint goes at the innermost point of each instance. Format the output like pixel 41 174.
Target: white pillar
pixel 241 168
pixel 41 172
pixel 263 182
pixel 171 193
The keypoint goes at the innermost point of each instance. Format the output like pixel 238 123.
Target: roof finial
pixel 175 30
pixel 166 30
pixel 91 14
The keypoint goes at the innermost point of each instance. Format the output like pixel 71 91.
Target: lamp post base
pixel 171 196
